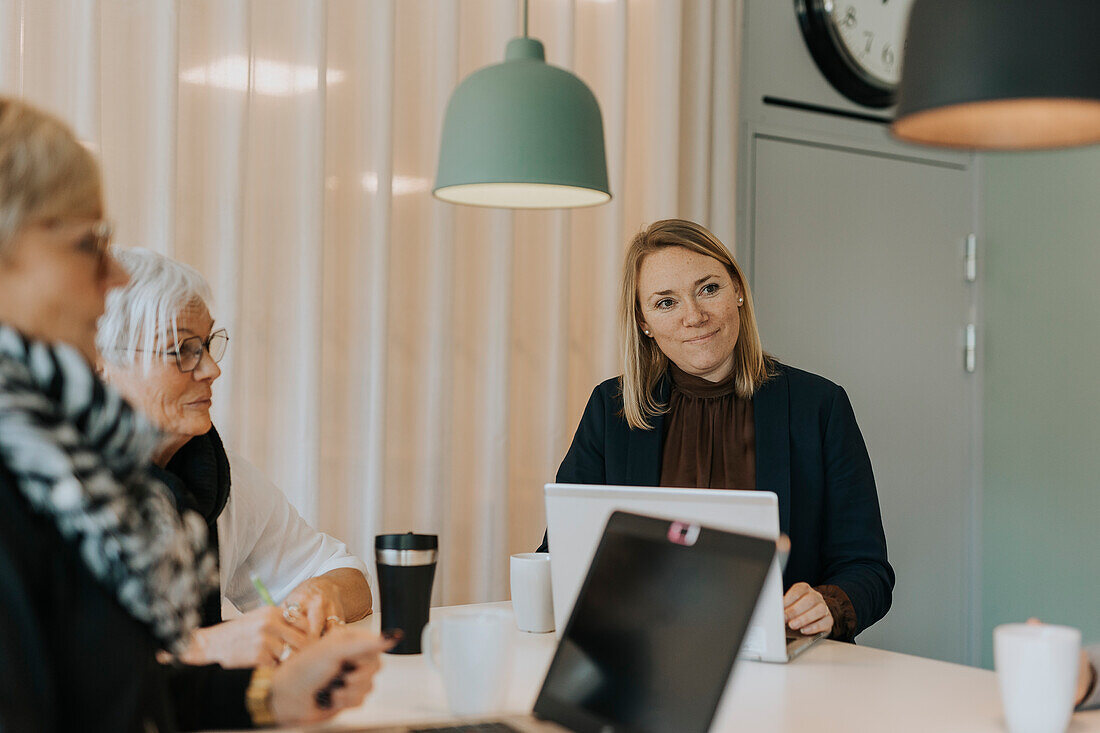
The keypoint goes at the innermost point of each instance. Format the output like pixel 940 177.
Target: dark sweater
pixel 198 478
pixel 71 658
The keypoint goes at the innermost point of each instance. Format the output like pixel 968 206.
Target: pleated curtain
pixel 396 363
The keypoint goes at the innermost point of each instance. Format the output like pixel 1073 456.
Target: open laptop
pixel 576 514
pixel 654 634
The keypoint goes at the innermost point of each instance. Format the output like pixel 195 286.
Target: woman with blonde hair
pixel 99 570
pixel 701 405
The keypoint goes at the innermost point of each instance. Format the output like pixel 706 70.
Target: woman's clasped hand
pixel 316 604
pixel 261 636
pixel 270 634
pixel 805 610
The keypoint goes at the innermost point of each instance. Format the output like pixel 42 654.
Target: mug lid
pixel 407 541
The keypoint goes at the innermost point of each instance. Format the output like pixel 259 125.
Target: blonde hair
pixel 643 363
pixel 45 173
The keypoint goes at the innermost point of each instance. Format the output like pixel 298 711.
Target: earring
pixel 645 332
pixel 740 299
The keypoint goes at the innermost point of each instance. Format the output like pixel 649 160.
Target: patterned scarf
pixel 79 455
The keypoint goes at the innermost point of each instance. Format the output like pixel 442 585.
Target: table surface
pixel 831 687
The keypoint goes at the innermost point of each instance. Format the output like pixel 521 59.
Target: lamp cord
pixel 525 18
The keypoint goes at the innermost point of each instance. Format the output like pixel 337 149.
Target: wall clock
pixel 857 45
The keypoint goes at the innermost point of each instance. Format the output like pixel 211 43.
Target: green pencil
pixel 258 584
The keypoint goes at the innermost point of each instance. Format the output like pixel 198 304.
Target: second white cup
pixel 1037 671
pixel 532 601
pixel 472 650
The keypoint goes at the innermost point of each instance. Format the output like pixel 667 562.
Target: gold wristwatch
pixel 257 698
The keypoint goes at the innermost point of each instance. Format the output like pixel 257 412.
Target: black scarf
pixel 198 476
pixel 80 456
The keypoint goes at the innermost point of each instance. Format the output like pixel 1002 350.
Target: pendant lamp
pixel 522 135
pixel 1001 74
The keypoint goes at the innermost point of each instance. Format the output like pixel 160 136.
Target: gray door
pixel 857 262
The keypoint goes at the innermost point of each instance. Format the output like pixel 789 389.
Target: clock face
pixel 857 45
pixel 872 33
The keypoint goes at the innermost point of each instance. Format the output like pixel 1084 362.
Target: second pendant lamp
pixel 1001 74
pixel 523 135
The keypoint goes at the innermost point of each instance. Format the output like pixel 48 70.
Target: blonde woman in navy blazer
pixel 679 282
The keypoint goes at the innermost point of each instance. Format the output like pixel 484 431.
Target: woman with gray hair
pixel 159 347
pixel 99 570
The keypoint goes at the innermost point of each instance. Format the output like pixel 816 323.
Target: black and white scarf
pixel 80 456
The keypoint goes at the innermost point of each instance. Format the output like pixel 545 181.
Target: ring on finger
pixel 292 612
pixel 285 653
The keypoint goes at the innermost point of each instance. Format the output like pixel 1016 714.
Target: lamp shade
pixel 524 135
pixel 1001 74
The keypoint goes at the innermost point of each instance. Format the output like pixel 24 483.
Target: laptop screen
pixel 655 629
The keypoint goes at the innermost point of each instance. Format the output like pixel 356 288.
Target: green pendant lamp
pixel 523 135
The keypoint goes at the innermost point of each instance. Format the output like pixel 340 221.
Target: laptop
pixel 653 635
pixel 575 516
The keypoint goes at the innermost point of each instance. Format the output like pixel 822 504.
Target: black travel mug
pixel 406 569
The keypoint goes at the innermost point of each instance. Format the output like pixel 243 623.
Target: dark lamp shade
pixel 1001 74
pixel 524 135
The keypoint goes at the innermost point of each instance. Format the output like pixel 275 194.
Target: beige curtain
pixel 396 363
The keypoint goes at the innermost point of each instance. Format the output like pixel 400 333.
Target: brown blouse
pixel 710 440
pixel 710 443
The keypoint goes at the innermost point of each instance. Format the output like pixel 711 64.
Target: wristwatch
pixel 257 698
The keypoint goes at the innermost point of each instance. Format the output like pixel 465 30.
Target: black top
pixel 199 479
pixel 71 658
pixel 809 451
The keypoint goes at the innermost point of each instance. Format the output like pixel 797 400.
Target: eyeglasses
pixel 189 352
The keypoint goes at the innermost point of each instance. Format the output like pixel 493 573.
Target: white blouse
pixel 259 532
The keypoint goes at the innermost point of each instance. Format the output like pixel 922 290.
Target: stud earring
pixel 740 300
pixel 645 332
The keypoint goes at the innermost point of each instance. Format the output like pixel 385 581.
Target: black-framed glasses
pixel 189 352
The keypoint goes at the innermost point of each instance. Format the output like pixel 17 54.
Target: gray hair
pixel 141 317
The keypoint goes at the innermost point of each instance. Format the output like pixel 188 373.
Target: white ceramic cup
pixel 532 601
pixel 472 650
pixel 1037 671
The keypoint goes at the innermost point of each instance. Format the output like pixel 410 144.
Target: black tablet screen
pixel 656 629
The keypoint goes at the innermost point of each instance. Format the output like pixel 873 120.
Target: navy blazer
pixel 809 451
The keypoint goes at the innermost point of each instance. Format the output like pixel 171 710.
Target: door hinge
pixel 971 272
pixel 970 350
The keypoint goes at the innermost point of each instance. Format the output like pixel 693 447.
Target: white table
pixel 832 687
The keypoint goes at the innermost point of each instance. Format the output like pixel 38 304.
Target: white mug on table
pixel 1037 672
pixel 473 652
pixel 531 599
